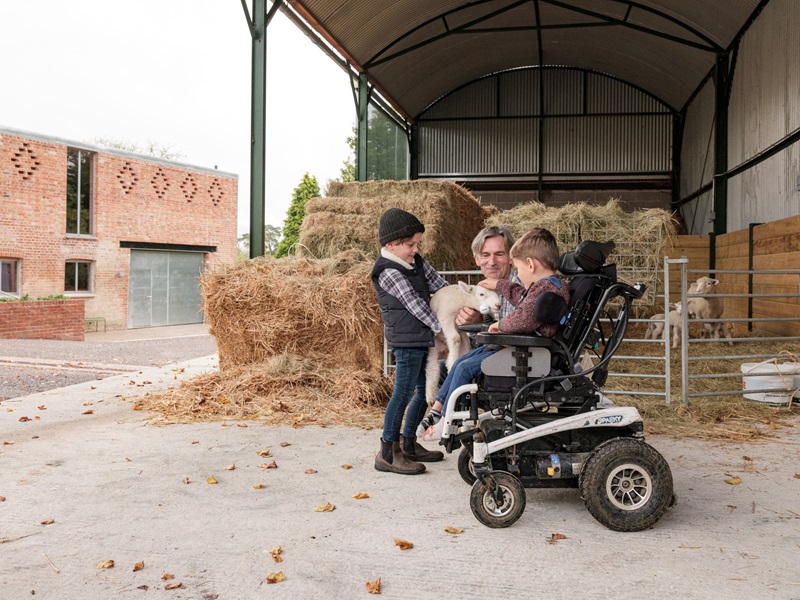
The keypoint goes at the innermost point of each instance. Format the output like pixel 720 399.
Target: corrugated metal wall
pixel 764 108
pixel 592 125
pixel 697 161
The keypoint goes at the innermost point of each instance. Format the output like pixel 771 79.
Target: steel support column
pixel 361 131
pixel 258 111
pixel 413 154
pixel 722 95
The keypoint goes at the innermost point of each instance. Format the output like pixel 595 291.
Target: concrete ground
pixel 88 479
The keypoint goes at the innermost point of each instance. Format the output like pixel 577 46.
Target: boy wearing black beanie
pixel 404 282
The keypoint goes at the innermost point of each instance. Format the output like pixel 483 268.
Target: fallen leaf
pixel 137 407
pixel 276 554
pixel 264 453
pixel 327 507
pixel 734 481
pixel 258 486
pixel 127 459
pixel 2 498
pixel 330 443
pixel 453 530
pixel 48 522
pixel 138 566
pixel 23 419
pixel 374 587
pixel 167 576
pixel 275 577
pixel 9 443
pixel 9 410
pixel 106 564
pixel 361 495
pixel 796 475
pixel 88 412
pixel 284 444
pixel 42 407
pixel 230 467
pixel 310 471
pixel 241 424
pixel 173 586
pixel 94 387
pixel 403 544
pixel 345 466
pixel 211 480
pixel 185 480
pixel 196 442
pixel 555 537
pixel 746 458
pixel 272 465
pixel 690 547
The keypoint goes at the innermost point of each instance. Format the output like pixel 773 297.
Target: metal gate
pixel 164 288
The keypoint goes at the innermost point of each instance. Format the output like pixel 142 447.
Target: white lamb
pixel 655 329
pixel 709 307
pixel 445 304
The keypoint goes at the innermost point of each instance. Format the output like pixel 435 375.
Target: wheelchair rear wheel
pixel 626 485
pixel 486 510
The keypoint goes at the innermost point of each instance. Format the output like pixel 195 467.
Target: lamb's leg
pixel 676 336
pixel 453 348
pixel 432 374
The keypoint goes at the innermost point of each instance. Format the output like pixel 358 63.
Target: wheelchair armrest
pixel 473 327
pixel 507 339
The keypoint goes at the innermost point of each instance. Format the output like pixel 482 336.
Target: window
pixel 9 277
pixel 79 191
pixel 78 276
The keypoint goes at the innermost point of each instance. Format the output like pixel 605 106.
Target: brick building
pixel 129 234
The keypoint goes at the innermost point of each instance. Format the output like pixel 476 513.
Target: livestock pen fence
pixel 711 366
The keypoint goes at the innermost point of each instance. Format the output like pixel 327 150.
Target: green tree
pixel 308 188
pixel 348 171
pixel 272 235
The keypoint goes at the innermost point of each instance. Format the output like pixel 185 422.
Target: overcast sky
pixel 176 72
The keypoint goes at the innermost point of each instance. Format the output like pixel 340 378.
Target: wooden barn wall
pixel 776 246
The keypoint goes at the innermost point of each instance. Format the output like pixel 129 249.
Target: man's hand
pixel 489 283
pixel 468 316
pixel 494 328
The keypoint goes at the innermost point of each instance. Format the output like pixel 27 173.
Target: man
pixel 490 250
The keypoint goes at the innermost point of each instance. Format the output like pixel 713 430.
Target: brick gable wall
pixel 135 200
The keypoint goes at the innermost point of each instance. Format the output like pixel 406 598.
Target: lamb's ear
pixel 465 287
pixel 715 281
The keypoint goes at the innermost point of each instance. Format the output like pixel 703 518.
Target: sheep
pixel 709 307
pixel 445 304
pixel 655 329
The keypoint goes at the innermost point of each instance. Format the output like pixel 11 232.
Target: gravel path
pixel 32 366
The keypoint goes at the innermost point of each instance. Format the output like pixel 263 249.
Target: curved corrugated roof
pixel 415 51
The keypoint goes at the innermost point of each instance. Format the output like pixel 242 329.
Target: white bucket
pixel 766 375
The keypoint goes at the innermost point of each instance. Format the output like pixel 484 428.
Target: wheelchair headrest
pixel 588 257
pixel 550 308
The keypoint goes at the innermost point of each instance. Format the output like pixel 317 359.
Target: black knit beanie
pixel 396 224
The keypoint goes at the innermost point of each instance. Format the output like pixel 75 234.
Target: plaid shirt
pixel 396 284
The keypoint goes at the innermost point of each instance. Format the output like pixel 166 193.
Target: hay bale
pixel 264 307
pixel 639 235
pixel 347 219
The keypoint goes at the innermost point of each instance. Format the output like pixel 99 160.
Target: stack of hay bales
pixel 639 235
pixel 348 219
pixel 301 338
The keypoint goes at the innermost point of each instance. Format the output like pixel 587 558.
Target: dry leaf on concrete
pixel 374 587
pixel 106 564
pixel 327 507
pixel 138 566
pixel 403 544
pixel 453 530
pixel 361 495
pixel 275 577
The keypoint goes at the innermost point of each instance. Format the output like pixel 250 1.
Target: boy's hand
pixel 489 284
pixel 468 316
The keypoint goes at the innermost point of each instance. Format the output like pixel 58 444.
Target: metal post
pixel 414 152
pixel 667 355
pixel 685 337
pixel 361 133
pixel 750 276
pixel 722 84
pixel 258 110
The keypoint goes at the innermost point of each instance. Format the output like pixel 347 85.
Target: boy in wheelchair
pixel 535 256
pixel 545 423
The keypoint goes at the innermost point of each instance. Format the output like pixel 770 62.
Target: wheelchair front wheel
pixel 465 466
pixel 486 509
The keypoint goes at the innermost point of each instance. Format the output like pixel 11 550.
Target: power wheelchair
pixel 536 417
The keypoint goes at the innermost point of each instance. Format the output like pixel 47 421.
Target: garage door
pixel 164 288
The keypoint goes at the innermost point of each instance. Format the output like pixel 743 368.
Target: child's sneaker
pixel 434 432
pixel 431 419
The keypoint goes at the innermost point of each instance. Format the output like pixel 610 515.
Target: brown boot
pixel 413 450
pixel 391 459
